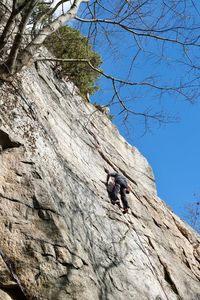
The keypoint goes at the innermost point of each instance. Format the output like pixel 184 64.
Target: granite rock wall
pixel 61 238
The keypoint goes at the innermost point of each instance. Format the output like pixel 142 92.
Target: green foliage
pixel 99 107
pixel 68 43
pixel 111 117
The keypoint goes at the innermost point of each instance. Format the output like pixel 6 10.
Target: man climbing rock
pixel 120 187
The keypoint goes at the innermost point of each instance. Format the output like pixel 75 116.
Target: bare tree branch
pixel 49 13
pixel 162 33
pixel 134 31
pixel 11 61
pixel 176 89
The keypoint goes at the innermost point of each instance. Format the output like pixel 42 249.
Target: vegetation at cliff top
pixel 69 43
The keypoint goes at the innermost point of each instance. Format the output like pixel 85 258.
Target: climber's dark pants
pixel 120 188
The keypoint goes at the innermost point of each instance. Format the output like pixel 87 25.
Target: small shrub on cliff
pixel 69 43
pixel 105 110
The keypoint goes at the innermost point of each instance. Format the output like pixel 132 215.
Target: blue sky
pixel 172 148
pixel 173 152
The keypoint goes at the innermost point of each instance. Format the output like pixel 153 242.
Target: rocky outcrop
pixel 61 238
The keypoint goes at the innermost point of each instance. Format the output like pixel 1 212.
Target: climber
pixel 120 186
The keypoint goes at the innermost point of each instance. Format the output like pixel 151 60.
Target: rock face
pixel 61 238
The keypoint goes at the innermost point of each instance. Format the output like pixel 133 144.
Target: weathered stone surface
pixel 61 238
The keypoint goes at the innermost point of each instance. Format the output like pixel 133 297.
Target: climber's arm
pixel 111 175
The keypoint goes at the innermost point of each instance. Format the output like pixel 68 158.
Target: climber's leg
pixel 115 194
pixel 124 199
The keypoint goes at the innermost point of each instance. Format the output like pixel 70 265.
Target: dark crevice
pixel 47 255
pixel 37 275
pixel 186 260
pixel 136 195
pixel 84 262
pixel 150 203
pixel 168 278
pixel 46 242
pixel 27 162
pixel 36 66
pixel 107 160
pixel 127 176
pixel 187 264
pixel 36 203
pixel 68 265
pixel 183 230
pixel 47 83
pixel 14 200
pixel 36 175
pixel 18 174
pixel 134 215
pixel 114 284
pixel 156 223
pixel 15 293
pixel 93 135
pixel 197 258
pixel 38 206
pixel 6 142
pixel 150 242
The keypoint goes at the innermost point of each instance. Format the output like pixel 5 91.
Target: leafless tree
pixel 22 10
pixel 160 33
pixel 192 215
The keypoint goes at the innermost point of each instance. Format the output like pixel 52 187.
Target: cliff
pixel 61 238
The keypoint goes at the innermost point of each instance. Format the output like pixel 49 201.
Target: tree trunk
pixel 11 61
pixel 15 60
pixel 7 29
pixel 30 52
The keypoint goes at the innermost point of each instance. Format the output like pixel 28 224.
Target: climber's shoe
pixel 125 210
pixel 116 202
